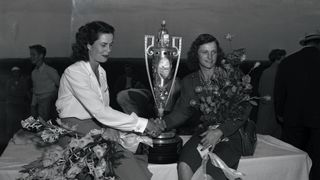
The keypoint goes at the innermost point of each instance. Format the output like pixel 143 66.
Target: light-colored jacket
pixel 81 96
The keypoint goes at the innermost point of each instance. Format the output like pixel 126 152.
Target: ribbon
pixel 131 141
pixel 230 173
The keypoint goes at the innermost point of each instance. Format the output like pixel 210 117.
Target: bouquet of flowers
pixel 87 157
pixel 227 96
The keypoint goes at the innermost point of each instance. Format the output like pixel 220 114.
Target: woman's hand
pixel 210 138
pixel 152 128
pixel 111 134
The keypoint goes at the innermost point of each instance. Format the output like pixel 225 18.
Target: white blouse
pixel 81 96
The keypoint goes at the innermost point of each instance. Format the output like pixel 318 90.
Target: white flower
pixel 52 155
pixel 85 141
pixel 94 132
pixel 43 174
pixel 99 151
pixel 100 169
pixel 73 171
pixel 229 37
pixel 243 57
pixel 257 64
pixel 267 98
pixel 49 135
pixel 74 143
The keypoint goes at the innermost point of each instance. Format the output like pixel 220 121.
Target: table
pixel 273 160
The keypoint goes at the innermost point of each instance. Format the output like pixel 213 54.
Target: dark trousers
pixel 306 139
pixel 45 108
pixel 229 152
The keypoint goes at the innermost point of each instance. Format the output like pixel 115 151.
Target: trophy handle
pixel 148 52
pixel 176 53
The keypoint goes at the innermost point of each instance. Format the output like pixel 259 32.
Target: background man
pixel 45 80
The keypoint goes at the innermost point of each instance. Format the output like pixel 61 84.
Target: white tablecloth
pixel 273 160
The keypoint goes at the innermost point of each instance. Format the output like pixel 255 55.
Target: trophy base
pixel 166 148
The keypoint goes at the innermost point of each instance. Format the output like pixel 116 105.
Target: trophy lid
pixel 163 36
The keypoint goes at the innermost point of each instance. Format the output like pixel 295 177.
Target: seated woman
pixel 83 98
pixel 207 53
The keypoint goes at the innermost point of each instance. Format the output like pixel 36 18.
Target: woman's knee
pixel 184 171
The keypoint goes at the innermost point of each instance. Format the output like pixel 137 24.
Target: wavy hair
pixel 193 57
pixel 88 34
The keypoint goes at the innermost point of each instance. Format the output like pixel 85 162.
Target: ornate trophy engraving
pixel 163 53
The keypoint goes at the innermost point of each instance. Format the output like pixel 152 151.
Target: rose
pixel 209 99
pixel 198 89
pixel 267 98
pixel 94 132
pixel 49 135
pixel 227 83
pixel 243 57
pixel 73 171
pixel 229 37
pixel 43 174
pixel 85 141
pixel 193 102
pixel 100 169
pixel 99 151
pixel 207 110
pixel 246 79
pixel 248 86
pixel 74 143
pixel 52 155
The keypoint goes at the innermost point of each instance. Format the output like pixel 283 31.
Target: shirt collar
pixel 88 67
pixel 41 67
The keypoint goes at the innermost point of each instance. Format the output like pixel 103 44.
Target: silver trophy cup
pixel 163 53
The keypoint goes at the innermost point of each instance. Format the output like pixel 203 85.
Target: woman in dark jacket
pixel 206 52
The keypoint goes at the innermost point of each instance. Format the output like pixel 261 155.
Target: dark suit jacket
pixel 297 88
pixel 183 110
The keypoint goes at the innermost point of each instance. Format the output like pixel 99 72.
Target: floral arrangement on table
pixel 87 157
pixel 227 96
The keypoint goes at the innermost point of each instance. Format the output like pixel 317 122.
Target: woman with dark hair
pixel 83 98
pixel 208 55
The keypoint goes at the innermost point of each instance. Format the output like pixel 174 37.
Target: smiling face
pixel 100 50
pixel 207 54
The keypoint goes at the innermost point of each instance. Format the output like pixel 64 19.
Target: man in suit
pixel 297 97
pixel 266 119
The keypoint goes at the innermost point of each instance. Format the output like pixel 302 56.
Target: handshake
pixel 155 127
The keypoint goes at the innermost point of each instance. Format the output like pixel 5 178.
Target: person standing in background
pixel 267 122
pixel 297 97
pixel 131 94
pixel 17 98
pixel 45 81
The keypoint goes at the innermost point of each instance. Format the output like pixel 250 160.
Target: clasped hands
pixel 155 127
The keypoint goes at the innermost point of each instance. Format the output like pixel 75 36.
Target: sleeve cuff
pixel 141 123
